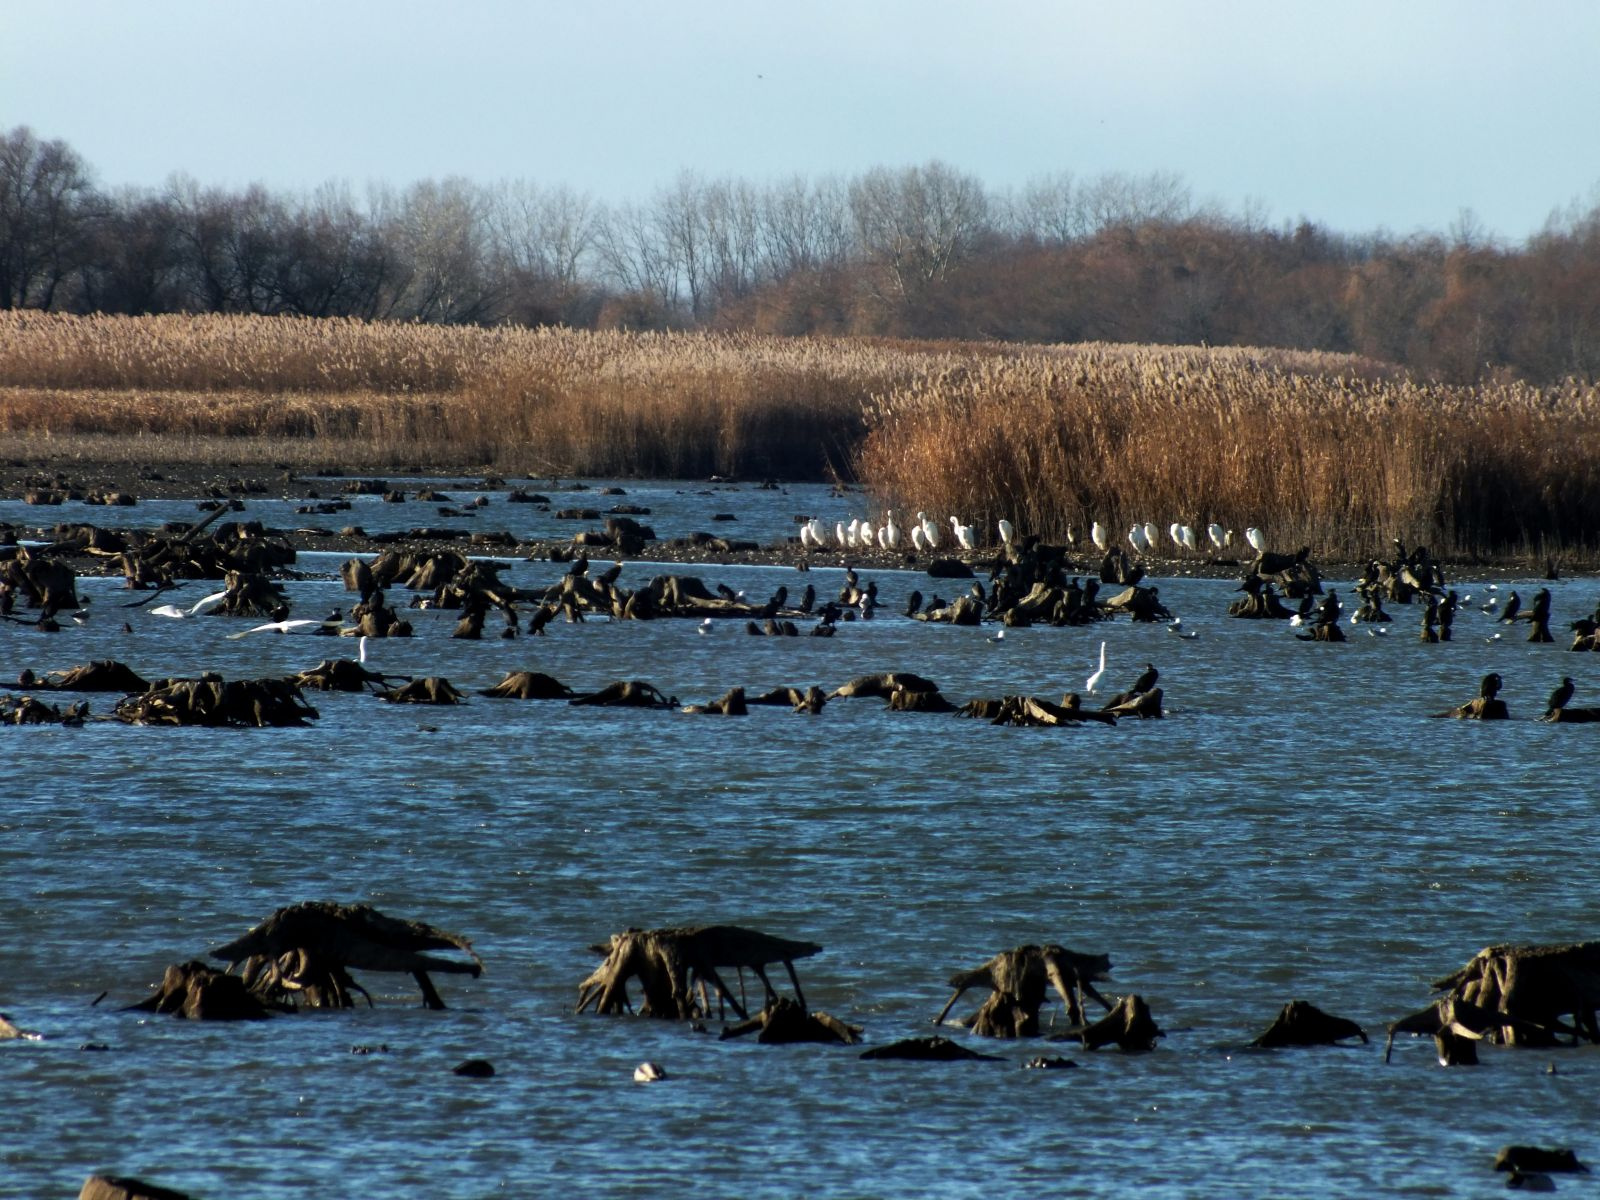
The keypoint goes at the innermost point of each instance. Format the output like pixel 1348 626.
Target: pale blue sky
pixel 1360 114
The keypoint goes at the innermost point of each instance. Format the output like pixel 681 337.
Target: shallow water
pixel 1296 827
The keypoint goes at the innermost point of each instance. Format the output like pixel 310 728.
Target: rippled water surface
pixel 1296 827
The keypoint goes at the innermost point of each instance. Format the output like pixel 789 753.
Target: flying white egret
pixel 1257 539
pixel 1097 535
pixel 1093 681
pixel 199 608
pixel 298 625
pixel 1137 538
pixel 1215 532
pixel 1008 531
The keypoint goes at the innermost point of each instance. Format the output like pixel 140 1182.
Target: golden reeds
pixel 1333 452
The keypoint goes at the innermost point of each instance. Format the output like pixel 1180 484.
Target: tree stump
pixel 677 969
pixel 1303 1024
pixel 1017 980
pixel 200 993
pixel 784 1022
pixel 1128 1026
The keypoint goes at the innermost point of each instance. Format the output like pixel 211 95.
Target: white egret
pixel 361 648
pixel 805 535
pixel 852 533
pixel 1093 681
pixel 200 607
pixel 819 532
pixel 867 536
pixel 919 540
pixel 1008 531
pixel 964 534
pixel 1175 532
pixel 1137 538
pixel 1186 535
pixel 1215 532
pixel 930 531
pixel 1152 535
pixel 839 534
pixel 299 625
pixel 1257 539
pixel 1097 535
pixel 891 533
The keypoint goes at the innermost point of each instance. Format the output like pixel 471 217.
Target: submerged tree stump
pixel 1515 996
pixel 201 993
pixel 1128 1026
pixel 1017 980
pixel 1303 1024
pixel 677 969
pixel 784 1022
pixel 307 950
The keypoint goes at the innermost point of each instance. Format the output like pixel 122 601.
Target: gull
pixel 1494 637
pixel 300 625
pixel 648 1072
pixel 999 636
pixel 1377 631
pixel 705 626
pixel 1176 628
pixel 199 608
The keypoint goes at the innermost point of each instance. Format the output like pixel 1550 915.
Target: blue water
pixel 1296 827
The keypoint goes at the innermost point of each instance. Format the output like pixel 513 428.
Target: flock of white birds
pixel 926 534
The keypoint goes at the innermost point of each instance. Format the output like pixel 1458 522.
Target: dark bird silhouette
pixel 580 567
pixel 1489 686
pixel 808 599
pixel 913 603
pixel 1509 612
pixel 1560 697
pixel 1147 680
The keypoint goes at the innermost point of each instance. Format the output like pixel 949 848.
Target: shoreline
pixel 165 480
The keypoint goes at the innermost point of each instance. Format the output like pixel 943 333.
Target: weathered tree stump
pixel 529 685
pixel 201 993
pixel 1304 1024
pixel 677 969
pixel 928 1049
pixel 307 949
pixel 118 1187
pixel 783 1022
pixel 635 693
pixel 1555 1160
pixel 431 689
pixel 730 704
pixel 1128 1026
pixel 1017 980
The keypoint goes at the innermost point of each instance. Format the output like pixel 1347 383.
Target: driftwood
pixel 809 701
pixel 785 1022
pixel 1128 1026
pixel 677 969
pixel 430 689
pixel 341 675
pixel 1303 1024
pixel 529 685
pixel 306 951
pixel 1017 980
pixel 924 702
pixel 1145 705
pixel 26 710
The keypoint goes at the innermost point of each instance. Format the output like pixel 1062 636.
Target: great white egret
pixel 1152 535
pixel 930 531
pixel 919 540
pixel 1216 532
pixel 1093 681
pixel 199 608
pixel 1097 535
pixel 1257 539
pixel 1137 538
pixel 1175 532
pixel 891 533
pixel 964 534
pixel 805 535
pixel 1007 532
pixel 1186 536
pixel 299 625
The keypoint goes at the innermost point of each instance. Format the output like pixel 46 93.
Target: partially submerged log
pixel 677 968
pixel 214 702
pixel 1304 1024
pixel 122 1187
pixel 1144 705
pixel 730 704
pixel 1017 980
pixel 306 950
pixel 884 685
pixel 104 675
pixel 341 675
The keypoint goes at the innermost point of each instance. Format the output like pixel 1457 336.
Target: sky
pixel 1397 116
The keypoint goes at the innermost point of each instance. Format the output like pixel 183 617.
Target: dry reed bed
pixel 1340 461
pixel 1326 450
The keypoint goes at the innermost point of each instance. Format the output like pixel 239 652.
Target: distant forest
pixel 914 252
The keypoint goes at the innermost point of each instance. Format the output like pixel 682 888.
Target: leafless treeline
pixel 922 251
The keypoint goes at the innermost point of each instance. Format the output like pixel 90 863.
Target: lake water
pixel 1296 827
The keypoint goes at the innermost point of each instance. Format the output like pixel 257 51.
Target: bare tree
pixel 46 204
pixel 918 223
